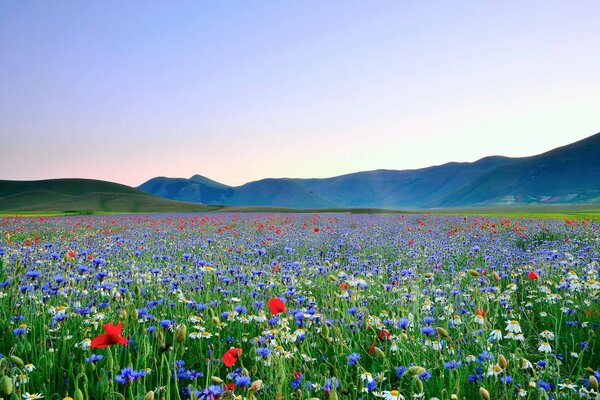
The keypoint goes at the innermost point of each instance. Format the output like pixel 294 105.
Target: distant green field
pixel 579 212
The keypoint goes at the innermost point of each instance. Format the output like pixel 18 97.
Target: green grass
pixel 84 196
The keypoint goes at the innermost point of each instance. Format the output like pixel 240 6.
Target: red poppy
pixel 231 356
pixel 111 335
pixel 384 335
pixel 316 230
pixel 481 313
pixel 277 306
pixel 230 386
pixel 71 254
pixel 297 374
pixel 533 275
pixel 344 286
pixel 372 349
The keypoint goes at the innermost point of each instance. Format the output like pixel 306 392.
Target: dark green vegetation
pixel 566 175
pixel 84 196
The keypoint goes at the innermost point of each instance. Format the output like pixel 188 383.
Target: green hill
pixel 85 195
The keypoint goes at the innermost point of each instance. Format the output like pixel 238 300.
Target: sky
pixel 243 90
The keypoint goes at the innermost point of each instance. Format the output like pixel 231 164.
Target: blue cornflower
pixel 297 382
pixel 20 330
pixel 403 323
pixel 400 371
pixel 128 375
pixel 165 323
pixel 428 330
pixel 213 392
pixel 452 364
pixel 93 358
pixel 263 352
pixel 425 375
pixel 353 358
pixel 243 380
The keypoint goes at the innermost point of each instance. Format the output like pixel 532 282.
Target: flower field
pixel 298 306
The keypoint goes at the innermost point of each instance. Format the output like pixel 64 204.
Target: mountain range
pixel 565 175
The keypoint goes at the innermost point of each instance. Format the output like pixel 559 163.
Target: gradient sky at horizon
pixel 239 91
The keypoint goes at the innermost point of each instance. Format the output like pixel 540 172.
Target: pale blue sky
pixel 239 91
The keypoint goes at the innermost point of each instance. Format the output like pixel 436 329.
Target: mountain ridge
pixel 564 175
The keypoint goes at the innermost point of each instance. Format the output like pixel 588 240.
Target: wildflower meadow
pixel 298 306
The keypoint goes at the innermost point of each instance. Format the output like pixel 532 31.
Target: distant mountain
pixel 84 195
pixel 566 175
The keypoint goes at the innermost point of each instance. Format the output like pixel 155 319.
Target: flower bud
pixel 485 395
pixel 149 395
pixel 6 385
pixel 379 352
pixel 256 385
pixel 442 332
pixel 473 273
pixel 416 370
pixel 181 333
pixel 502 361
pixel 18 362
pixel 593 382
pixel 419 385
pixel 78 394
pixel 325 331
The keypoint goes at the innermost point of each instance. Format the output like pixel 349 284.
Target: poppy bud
pixel 379 352
pixel 149 395
pixel 216 320
pixel 495 276
pixel 123 314
pixel 442 332
pixel 325 331
pixel 245 372
pixel 502 361
pixel 473 273
pixel 416 370
pixel 6 385
pixel 485 395
pixel 428 275
pixel 18 362
pixel 299 393
pixel 256 385
pixel 78 394
pixel 181 333
pixel 333 278
pixel 419 385
pixel 110 363
pixel 593 382
pixel 453 397
pixel 216 380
